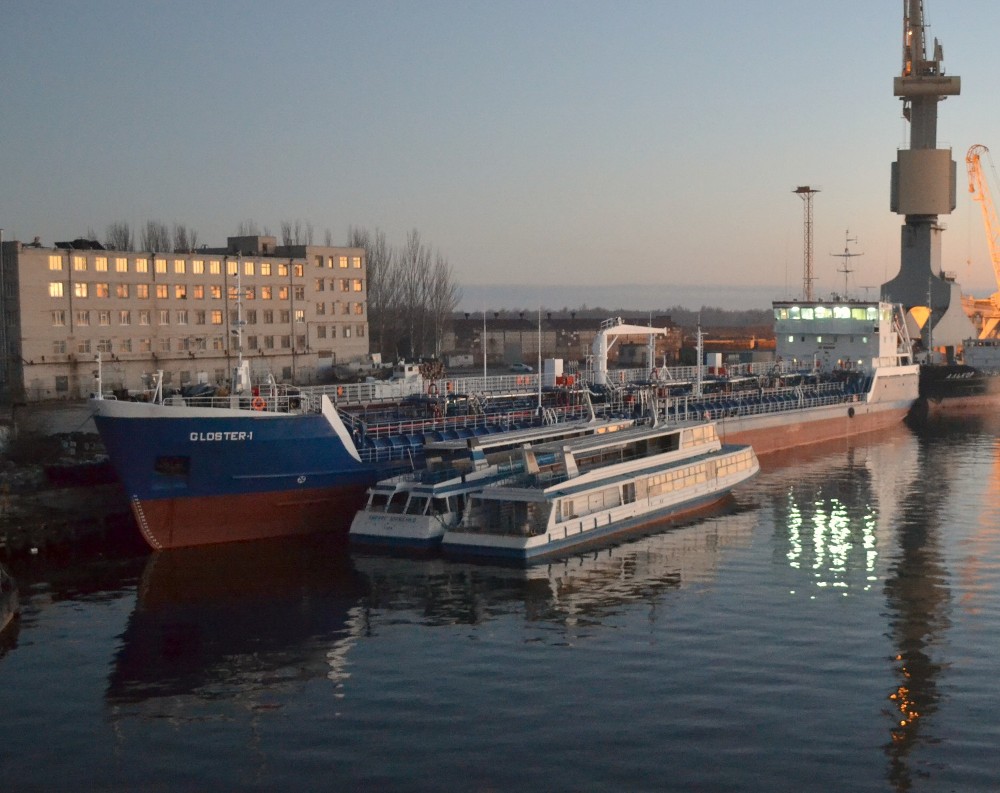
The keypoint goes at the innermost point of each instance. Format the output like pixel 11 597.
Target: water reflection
pixel 580 589
pixel 234 620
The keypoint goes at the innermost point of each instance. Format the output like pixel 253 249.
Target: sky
pixel 554 153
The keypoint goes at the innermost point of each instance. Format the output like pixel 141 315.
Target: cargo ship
pixel 276 461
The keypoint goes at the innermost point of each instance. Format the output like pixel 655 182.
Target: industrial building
pixel 292 311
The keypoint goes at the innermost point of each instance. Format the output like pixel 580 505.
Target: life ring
pixel 258 403
pixel 432 390
pixel 850 412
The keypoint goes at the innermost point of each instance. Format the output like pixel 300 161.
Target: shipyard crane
pixel 980 192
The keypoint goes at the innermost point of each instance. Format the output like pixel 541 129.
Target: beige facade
pixel 297 310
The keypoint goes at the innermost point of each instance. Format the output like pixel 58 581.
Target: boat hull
pixel 953 388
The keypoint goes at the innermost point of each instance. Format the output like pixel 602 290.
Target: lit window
pixel 216 292
pixel 283 270
pixel 248 268
pixel 807 313
pixel 265 293
pixel 356 261
pixel 217 317
pixel 300 315
pixel 199 291
pixel 320 284
pixel 162 291
pixel 101 264
pixel 198 267
pixel 121 265
pixel 282 293
pixel 102 290
pixel 359 308
pixel 265 268
pixel 142 265
pixel 142 291
pixel 121 290
pixel 358 285
pixel 56 262
pixel 160 265
pixel 80 290
pixel 347 331
pixel 232 268
pixel 343 262
pixel 214 267
pixel 180 266
pixel 180 291
pixel 55 289
pixel 80 264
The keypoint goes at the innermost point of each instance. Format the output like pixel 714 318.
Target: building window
pixel 319 260
pixel 124 317
pixel 320 309
pixel 300 293
pixel 80 264
pixel 125 345
pixel 142 265
pixel 62 383
pixel 343 262
pixel 359 308
pixel 333 331
pixel 321 331
pixel 164 344
pixel 232 268
pixel 250 293
pixel 82 317
pixel 104 345
pixel 282 293
pixel 300 341
pixel 282 270
pixel 142 291
pixel 162 291
pixel 268 316
pixel 182 317
pixel 361 331
pixel 56 262
pixel 320 284
pixel 83 346
pixel 102 290
pixel 164 316
pixel 345 284
pixel 298 270
pixel 345 308
pixel 59 347
pixel 265 293
pixel 183 344
pixel 180 291
pixel 285 315
pixel 356 260
pixel 252 317
pixel 160 265
pixel 286 342
pixel 80 289
pixel 216 292
pixel 144 316
pixel 217 343
pixel 145 345
pixel 233 293
pixel 59 318
pixel 55 289
pixel 269 342
pixel 104 317
pixel 217 317
pixel 199 317
pixel 121 290
pixel 248 268
pixel 251 342
pixel 347 331
pixel 358 285
pixel 198 291
pixel 180 266
pixel 101 264
pixel 198 267
pixel 300 315
pixel 214 267
pixel 121 265
pixel 265 268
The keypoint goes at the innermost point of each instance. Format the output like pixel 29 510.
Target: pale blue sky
pixel 531 143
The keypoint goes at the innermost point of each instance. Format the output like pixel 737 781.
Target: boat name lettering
pixel 221 436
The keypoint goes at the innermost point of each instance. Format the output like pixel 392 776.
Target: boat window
pixel 378 502
pixel 793 313
pixel 808 313
pixel 858 313
pixel 822 312
pixel 841 312
pixel 439 506
pixel 416 505
pixel 871 314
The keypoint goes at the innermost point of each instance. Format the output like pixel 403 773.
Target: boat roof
pixel 514 438
pixel 621 437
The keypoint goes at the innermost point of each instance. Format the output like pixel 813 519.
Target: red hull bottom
pixel 185 522
pixel 770 439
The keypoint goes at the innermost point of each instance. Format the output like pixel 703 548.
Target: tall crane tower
pixel 806 193
pixel 923 185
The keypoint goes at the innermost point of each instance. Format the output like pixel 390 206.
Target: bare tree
pixel 412 271
pixel 182 243
pixel 118 237
pixel 247 228
pixel 155 237
pixel 286 233
pixel 443 299
pixel 328 238
pixel 383 289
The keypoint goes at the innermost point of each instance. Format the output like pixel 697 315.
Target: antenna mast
pixel 806 193
pixel 846 256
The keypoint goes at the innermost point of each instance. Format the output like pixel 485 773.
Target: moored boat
pixel 413 510
pixel 586 490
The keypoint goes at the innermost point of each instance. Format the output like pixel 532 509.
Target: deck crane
pixel 980 192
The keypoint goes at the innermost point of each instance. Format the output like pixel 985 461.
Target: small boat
pixel 10 604
pixel 598 486
pixel 413 510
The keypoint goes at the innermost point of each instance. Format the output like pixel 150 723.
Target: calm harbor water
pixel 836 628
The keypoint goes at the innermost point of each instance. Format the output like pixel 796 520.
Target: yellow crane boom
pixel 981 192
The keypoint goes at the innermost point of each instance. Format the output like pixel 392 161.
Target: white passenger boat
pixel 414 510
pixel 584 490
